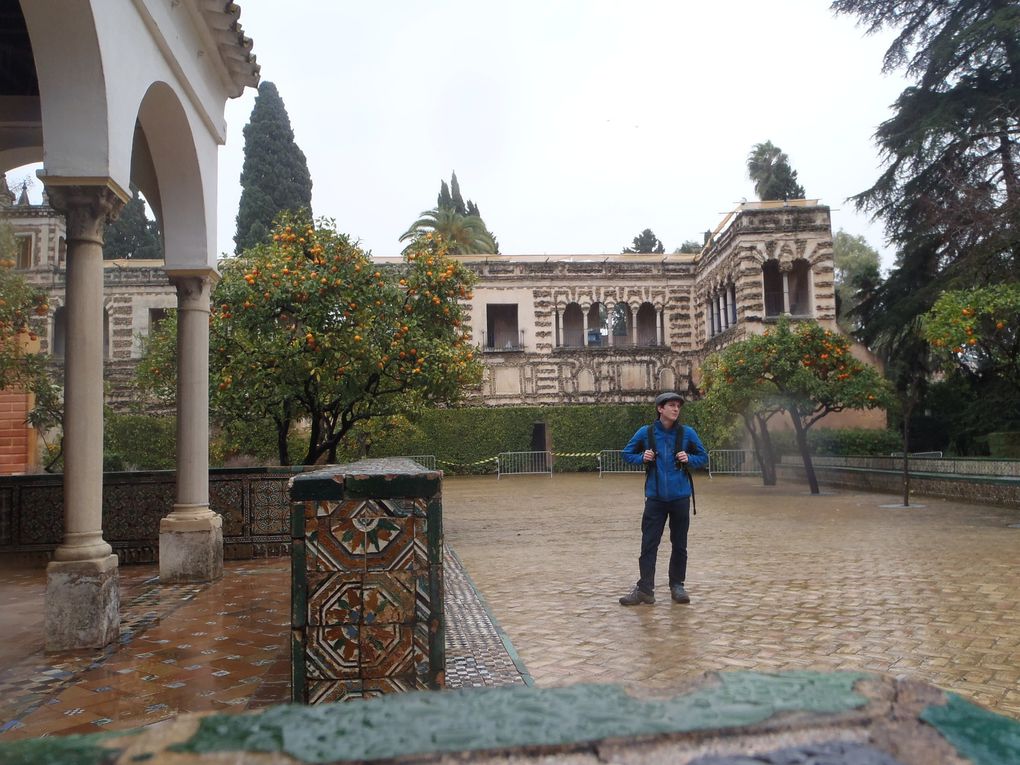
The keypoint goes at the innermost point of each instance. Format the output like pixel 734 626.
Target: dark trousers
pixel 653 521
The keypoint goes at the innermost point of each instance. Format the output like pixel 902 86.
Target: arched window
pixel 573 327
pixel 621 324
pixel 773 283
pixel 647 333
pixel 597 325
pixel 799 281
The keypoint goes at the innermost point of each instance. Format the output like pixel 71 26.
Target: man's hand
pixel 682 457
pixel 649 455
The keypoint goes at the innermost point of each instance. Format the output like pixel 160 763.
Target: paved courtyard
pixel 779 580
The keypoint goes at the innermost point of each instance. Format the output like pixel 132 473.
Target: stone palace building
pixel 574 329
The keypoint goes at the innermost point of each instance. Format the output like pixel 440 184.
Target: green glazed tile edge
pixel 67 750
pixel 983 737
pixel 500 718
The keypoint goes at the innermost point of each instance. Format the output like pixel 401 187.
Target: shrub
pixel 842 442
pixel 139 442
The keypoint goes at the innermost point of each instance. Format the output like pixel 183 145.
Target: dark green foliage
pixel 646 242
pixel 857 270
pixel 275 174
pixel 970 408
pixel 462 437
pixel 949 193
pixel 139 442
pixel 458 221
pixel 1005 444
pixel 842 442
pixel 133 235
pixel 689 247
pixel 769 168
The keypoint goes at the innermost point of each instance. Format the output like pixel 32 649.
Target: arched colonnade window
pixel 787 288
pixel 721 307
pixel 601 326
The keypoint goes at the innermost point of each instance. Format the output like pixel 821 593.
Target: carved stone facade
pixel 619 328
pixel 136 293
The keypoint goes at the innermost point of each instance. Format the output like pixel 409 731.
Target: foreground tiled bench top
pixel 740 718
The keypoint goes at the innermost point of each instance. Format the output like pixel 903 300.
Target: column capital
pixel 193 288
pixel 88 203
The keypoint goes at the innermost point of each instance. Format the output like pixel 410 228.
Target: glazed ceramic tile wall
pixel 367 581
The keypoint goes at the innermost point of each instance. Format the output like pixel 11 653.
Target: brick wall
pixel 17 440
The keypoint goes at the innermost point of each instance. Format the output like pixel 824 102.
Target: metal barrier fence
pixel 523 463
pixel 611 461
pixel 733 462
pixel 427 461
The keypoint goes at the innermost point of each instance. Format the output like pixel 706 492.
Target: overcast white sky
pixel 573 124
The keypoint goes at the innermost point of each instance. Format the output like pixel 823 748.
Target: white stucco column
pixel 191 537
pixel 633 326
pixel 786 290
pixel 584 326
pixel 660 326
pixel 82 599
pixel 611 318
pixel 726 305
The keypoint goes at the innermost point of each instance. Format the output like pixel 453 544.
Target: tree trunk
pixel 282 429
pixel 762 448
pixel 809 468
pixel 908 407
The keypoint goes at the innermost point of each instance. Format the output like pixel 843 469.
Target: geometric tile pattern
pixel 367 592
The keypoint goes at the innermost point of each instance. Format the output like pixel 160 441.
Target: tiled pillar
pixel 191 537
pixel 367 581
pixel 82 600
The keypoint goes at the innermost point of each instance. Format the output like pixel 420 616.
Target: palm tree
pixel 769 168
pixel 466 234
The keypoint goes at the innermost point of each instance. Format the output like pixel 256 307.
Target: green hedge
pixel 465 439
pixel 1005 443
pixel 139 442
pixel 841 442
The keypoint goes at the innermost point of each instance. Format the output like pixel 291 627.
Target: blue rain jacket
pixel 666 480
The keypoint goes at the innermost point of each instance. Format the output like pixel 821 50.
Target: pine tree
pixel 645 242
pixel 132 235
pixel 275 174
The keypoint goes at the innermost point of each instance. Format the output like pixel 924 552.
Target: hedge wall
pixel 466 439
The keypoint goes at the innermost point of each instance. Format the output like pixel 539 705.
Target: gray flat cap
pixel 662 398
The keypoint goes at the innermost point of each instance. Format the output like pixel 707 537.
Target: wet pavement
pixel 778 579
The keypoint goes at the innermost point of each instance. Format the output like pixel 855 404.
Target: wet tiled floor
pixel 779 580
pixel 188 648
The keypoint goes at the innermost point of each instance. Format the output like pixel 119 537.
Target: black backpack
pixel 650 442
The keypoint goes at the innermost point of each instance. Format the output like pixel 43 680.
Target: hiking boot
pixel 637 597
pixel 679 594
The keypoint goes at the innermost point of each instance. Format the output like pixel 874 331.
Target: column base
pixel 82 604
pixel 191 549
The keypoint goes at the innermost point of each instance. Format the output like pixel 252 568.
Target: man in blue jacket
pixel 668 492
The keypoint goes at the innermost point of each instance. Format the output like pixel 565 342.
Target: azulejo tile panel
pixel 367 584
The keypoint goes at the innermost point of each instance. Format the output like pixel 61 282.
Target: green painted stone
pixel 498 718
pixel 66 750
pixel 367 479
pixel 984 737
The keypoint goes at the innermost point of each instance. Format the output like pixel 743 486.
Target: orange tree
pixel 977 330
pixel 803 369
pixel 20 367
pixel 307 329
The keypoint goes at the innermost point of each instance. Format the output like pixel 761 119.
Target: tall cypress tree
pixel 275 174
pixel 132 235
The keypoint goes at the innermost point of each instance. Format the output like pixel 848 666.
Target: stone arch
pixel 772 287
pixel 169 173
pixel 585 380
pixel 666 379
pixel 573 326
pixel 598 320
pixel 73 100
pixel 647 320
